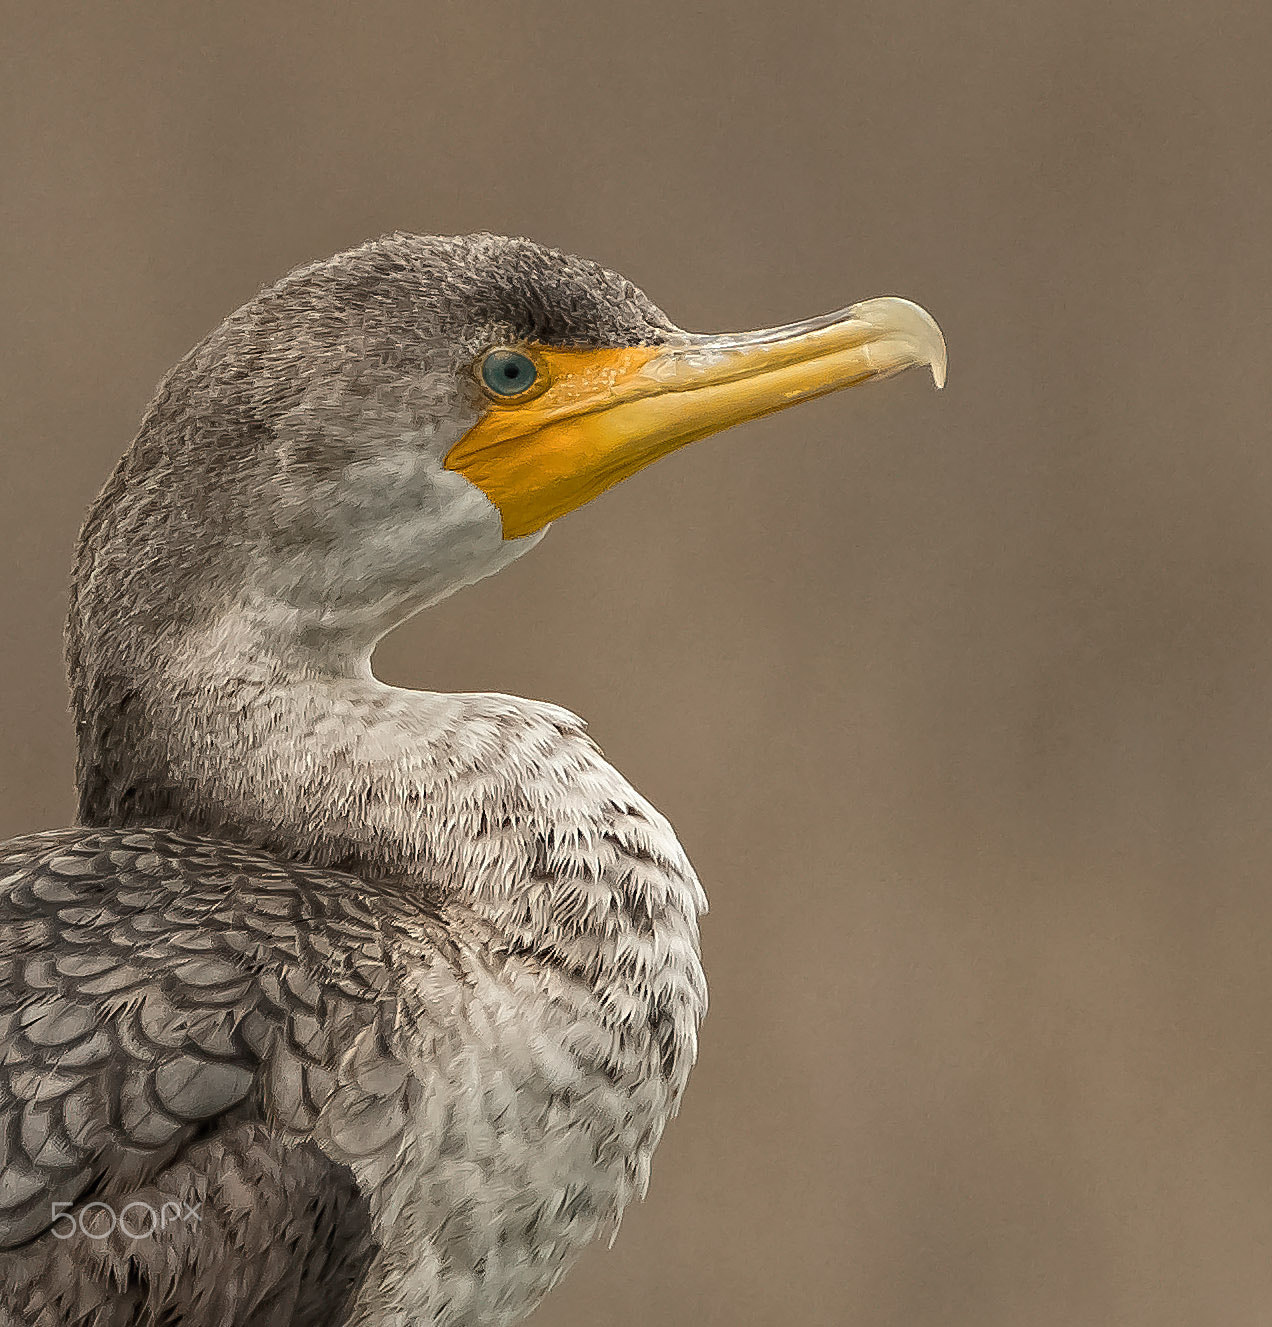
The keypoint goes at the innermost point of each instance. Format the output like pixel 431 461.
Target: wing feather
pixel 153 985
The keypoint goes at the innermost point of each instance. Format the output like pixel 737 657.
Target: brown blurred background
pixel 961 703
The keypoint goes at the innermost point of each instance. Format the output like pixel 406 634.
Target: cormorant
pixel 345 1004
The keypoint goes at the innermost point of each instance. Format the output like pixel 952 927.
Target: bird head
pixel 381 428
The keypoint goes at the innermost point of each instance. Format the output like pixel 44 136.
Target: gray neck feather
pixel 495 807
pixel 250 718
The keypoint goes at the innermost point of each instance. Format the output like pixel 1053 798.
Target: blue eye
pixel 508 372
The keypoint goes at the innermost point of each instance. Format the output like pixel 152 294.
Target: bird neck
pixel 494 808
pixel 287 741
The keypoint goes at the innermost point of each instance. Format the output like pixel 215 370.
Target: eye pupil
pixel 508 372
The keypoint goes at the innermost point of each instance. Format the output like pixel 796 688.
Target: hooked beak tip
pixel 902 319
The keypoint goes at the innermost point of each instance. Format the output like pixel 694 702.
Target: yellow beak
pixel 596 416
